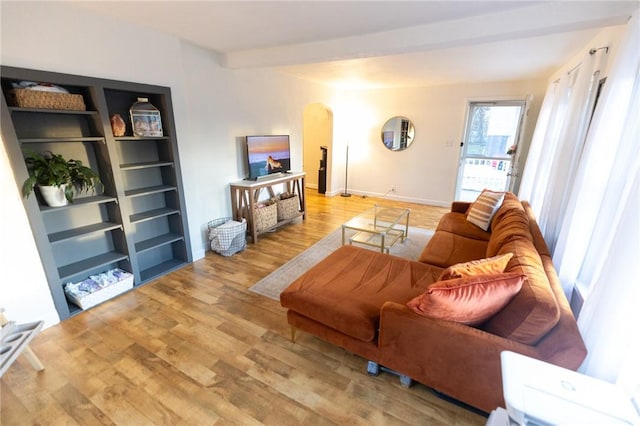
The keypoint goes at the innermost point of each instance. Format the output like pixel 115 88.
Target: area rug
pixel 272 285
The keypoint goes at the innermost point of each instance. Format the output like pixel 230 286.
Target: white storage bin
pixel 98 288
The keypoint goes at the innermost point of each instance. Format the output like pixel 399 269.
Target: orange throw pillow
pixel 469 300
pixel 490 265
pixel 482 210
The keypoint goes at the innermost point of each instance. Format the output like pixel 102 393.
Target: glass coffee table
pixel 379 227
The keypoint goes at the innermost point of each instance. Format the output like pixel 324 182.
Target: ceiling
pixel 382 43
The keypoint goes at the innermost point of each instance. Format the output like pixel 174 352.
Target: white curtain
pixel 611 155
pixel 599 243
pixel 537 158
pixel 610 318
pixel 596 229
pixel 558 142
pixel 545 137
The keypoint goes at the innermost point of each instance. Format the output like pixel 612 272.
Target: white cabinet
pixel 539 393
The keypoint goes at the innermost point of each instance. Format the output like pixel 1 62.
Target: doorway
pixel 491 138
pixel 317 132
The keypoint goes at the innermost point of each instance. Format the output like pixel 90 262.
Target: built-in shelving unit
pixel 137 220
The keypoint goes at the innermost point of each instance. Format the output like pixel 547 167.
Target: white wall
pixel 224 106
pixel 53 36
pixel 24 292
pixel 609 36
pixel 426 171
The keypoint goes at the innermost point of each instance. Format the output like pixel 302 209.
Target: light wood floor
pixel 195 347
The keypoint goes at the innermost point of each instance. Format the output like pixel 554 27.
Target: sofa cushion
pixel 490 265
pixel 482 210
pixel 346 290
pixel 510 223
pixel 468 300
pixel 457 223
pixel 509 202
pixel 534 311
pixel 446 248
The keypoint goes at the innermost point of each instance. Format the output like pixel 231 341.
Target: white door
pixel 491 138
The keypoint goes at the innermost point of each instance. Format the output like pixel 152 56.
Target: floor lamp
pixel 346 173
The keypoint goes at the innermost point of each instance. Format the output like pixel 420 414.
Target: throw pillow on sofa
pixel 490 265
pixel 482 210
pixel 468 300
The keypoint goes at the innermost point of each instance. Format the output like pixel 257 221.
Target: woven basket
pixel 227 236
pixel 287 208
pixel 46 100
pixel 266 217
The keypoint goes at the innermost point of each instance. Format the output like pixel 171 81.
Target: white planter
pixel 53 195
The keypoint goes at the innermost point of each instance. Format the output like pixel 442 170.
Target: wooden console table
pixel 246 193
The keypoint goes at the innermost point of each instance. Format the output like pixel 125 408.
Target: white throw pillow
pixel 482 210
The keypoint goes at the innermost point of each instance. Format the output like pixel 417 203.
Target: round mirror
pixel 398 133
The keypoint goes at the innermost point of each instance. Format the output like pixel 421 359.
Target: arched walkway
pixel 317 132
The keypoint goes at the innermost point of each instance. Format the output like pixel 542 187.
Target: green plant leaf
pixel 28 186
pixel 54 170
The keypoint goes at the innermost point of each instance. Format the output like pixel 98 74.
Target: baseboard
pixel 394 197
pixel 197 254
pixel 390 196
pixel 424 201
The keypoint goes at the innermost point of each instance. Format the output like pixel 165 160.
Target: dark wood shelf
pixel 63 140
pixel 152 214
pixel 68 234
pixel 52 111
pixel 162 269
pixel 68 271
pixel 140 138
pixel 158 241
pixel 80 202
pixel 145 165
pixel 149 190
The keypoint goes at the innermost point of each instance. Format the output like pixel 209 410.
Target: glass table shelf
pixel 379 227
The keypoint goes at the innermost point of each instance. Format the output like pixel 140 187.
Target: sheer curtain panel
pixel 592 217
pixel 558 142
pixel 599 243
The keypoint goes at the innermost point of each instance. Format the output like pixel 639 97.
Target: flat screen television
pixel 268 154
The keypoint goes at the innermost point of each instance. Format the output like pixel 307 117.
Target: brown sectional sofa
pixel 356 298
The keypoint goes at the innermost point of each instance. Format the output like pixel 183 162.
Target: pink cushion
pixel 469 300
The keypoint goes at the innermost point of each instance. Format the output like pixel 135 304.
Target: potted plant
pixel 57 177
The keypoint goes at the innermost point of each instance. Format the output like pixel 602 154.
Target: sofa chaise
pixel 444 320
